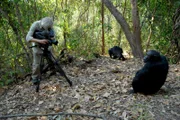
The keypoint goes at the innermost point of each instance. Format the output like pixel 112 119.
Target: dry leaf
pixel 44 118
pixel 98 105
pixel 76 106
pixel 57 109
pixel 106 95
pixel 40 102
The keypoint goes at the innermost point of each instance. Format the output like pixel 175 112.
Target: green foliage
pixel 157 16
pixel 83 41
pixel 141 112
pixel 6 79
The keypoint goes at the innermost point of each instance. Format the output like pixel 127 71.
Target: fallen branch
pixel 52 114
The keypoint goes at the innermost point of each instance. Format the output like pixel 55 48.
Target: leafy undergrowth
pixel 100 87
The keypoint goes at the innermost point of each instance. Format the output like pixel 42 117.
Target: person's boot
pixel 35 81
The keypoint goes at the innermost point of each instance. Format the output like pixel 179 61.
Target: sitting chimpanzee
pixel 116 52
pixel 152 76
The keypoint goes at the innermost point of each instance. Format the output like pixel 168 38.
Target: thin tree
pixel 103 41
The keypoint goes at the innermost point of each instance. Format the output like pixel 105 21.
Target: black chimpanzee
pixel 152 76
pixel 116 52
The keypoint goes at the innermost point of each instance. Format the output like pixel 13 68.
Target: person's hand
pixel 43 41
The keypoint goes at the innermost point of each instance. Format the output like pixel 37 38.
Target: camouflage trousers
pixel 37 55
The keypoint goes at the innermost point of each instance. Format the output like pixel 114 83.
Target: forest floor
pixel 100 88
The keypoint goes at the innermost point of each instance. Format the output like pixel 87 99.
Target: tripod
pixel 51 62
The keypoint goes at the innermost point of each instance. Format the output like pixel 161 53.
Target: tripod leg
pixel 58 67
pixel 61 71
pixel 37 86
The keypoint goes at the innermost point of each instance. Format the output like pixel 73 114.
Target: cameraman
pixel 45 24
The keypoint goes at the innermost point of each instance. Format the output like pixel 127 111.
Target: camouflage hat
pixel 46 23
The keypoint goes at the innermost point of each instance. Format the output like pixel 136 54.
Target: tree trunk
pixel 120 30
pixel 149 39
pixel 103 41
pixel 64 3
pixel 176 34
pixel 137 52
pixel 136 29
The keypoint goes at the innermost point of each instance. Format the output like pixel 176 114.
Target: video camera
pixel 42 34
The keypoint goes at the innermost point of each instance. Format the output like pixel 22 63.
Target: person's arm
pixel 41 41
pixel 30 38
